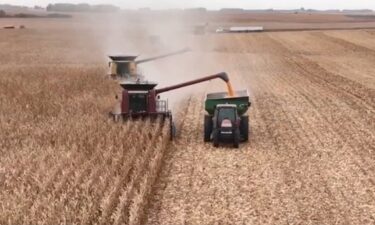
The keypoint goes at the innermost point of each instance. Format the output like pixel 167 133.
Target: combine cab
pixel 139 97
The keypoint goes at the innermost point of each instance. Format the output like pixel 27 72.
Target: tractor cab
pixel 226 117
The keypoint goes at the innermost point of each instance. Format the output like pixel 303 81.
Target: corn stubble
pixel 62 161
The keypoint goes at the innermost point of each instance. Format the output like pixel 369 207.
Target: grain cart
pixel 226 118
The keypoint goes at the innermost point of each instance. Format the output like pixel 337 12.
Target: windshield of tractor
pixel 226 113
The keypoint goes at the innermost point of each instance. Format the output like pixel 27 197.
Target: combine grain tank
pixel 125 67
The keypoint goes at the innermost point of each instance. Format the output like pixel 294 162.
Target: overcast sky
pixel 215 4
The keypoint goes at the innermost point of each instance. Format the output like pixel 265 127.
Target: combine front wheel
pixel 208 124
pixel 244 127
pixel 115 117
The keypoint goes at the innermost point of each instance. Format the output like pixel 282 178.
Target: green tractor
pixel 226 119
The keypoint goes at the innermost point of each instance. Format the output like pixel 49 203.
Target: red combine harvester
pixel 140 99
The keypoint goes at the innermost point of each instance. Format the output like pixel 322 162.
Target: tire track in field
pixel 338 128
pixel 347 61
pixel 298 167
pixel 158 190
pixel 314 100
pixel 353 120
pixel 276 110
pixel 293 131
pixel 263 211
pixel 359 90
pixel 319 135
pixel 341 85
pixel 347 45
pixel 184 156
pixel 342 133
pixel 363 128
pixel 310 106
pixel 322 86
pixel 345 154
pixel 202 193
pixel 362 38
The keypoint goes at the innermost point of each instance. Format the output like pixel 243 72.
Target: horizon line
pixel 198 7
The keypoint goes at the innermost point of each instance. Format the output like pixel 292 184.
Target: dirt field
pixel 310 158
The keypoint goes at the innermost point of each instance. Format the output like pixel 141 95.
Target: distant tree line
pixel 196 10
pixel 232 10
pixel 29 15
pixel 66 7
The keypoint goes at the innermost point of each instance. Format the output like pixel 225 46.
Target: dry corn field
pixel 310 158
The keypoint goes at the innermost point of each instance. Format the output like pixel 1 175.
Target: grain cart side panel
pixel 241 99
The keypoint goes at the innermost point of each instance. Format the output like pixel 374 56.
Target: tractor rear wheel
pixel 236 138
pixel 244 128
pixel 208 125
pixel 216 137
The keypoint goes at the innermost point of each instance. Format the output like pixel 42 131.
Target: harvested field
pixel 310 158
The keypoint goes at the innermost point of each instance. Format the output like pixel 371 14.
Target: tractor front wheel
pixel 208 124
pixel 236 138
pixel 216 137
pixel 244 127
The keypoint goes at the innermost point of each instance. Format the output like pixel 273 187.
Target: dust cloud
pixel 150 34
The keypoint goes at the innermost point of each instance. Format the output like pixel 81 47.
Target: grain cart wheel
pixel 216 137
pixel 244 128
pixel 236 138
pixel 208 125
